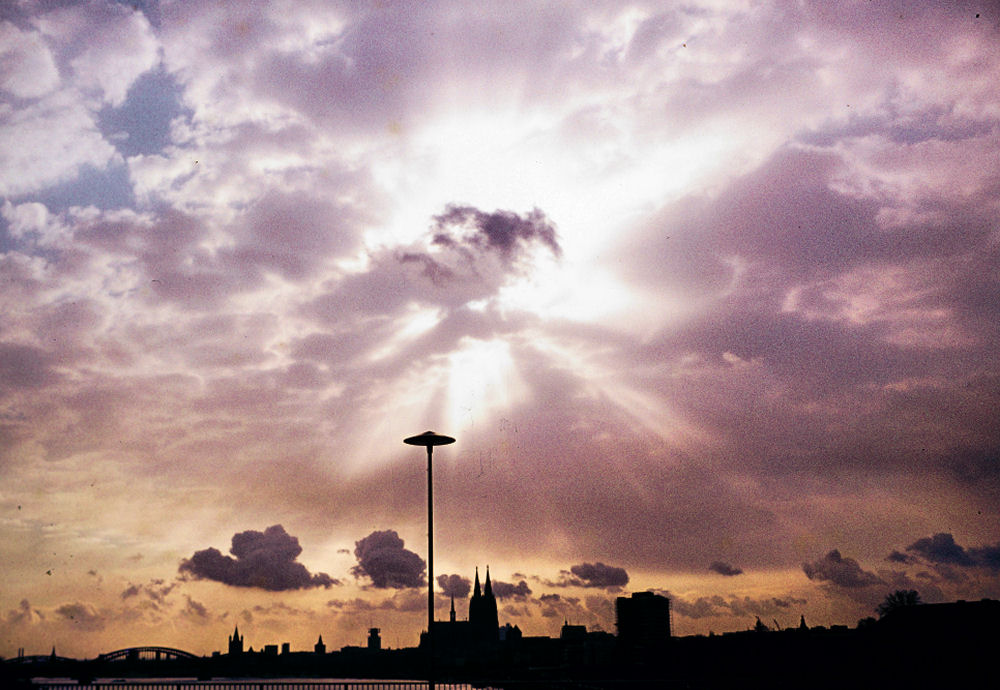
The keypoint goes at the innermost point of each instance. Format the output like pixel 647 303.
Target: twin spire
pixel 487 590
pixel 483 609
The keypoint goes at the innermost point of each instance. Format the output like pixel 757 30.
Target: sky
pixel 707 292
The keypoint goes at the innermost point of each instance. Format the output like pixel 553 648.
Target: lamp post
pixel 429 439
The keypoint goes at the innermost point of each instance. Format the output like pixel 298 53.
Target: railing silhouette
pixel 259 684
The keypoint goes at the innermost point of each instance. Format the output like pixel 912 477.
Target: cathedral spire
pixel 476 593
pixel 488 589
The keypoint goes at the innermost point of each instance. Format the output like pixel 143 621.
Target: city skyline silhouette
pixel 958 637
pixel 707 294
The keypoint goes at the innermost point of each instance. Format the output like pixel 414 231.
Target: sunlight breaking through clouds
pixel 698 288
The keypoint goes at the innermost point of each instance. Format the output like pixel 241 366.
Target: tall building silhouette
pixel 643 623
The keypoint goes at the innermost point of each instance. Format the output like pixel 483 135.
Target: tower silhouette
pixel 236 642
pixel 483 617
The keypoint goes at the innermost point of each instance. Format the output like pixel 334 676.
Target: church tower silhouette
pixel 236 642
pixel 483 617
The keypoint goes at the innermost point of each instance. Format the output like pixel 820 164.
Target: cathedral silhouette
pixel 483 618
pixel 472 641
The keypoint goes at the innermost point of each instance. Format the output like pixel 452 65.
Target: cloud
pixel 592 575
pixel 504 232
pixel 454 586
pixel 24 614
pixel 105 45
pixel 941 549
pixel 404 600
pixel 738 607
pixel 82 616
pixel 195 610
pixel 382 558
pixel 265 560
pixel 25 366
pixel 29 68
pixel 505 590
pixel 724 568
pixel 839 571
pixel 155 590
pixel 468 256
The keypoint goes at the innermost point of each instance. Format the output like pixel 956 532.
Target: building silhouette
pixel 235 642
pixel 319 647
pixel 470 643
pixel 483 617
pixel 643 623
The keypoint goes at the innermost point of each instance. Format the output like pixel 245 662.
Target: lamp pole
pixel 429 439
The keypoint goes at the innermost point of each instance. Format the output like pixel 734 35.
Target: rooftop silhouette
pixel 949 638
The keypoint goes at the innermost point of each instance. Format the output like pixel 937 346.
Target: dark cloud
pixel 725 568
pixel 382 558
pixel 941 549
pixel 506 590
pixel 840 571
pixel 454 586
pixel 987 556
pixel 592 575
pixel 599 575
pixel 504 232
pixel 265 560
pixel 469 256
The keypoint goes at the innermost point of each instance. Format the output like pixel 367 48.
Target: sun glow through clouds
pixel 482 380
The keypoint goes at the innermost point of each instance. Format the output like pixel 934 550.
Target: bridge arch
pixel 150 653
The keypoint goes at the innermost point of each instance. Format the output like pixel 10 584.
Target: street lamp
pixel 429 439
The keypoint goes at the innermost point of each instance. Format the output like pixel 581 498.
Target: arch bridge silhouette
pixel 146 654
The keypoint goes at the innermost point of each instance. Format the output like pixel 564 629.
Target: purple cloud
pixel 941 549
pixel 502 231
pixel 455 586
pixel 505 590
pixel 265 560
pixel 724 569
pixel 593 575
pixel 840 571
pixel 382 558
